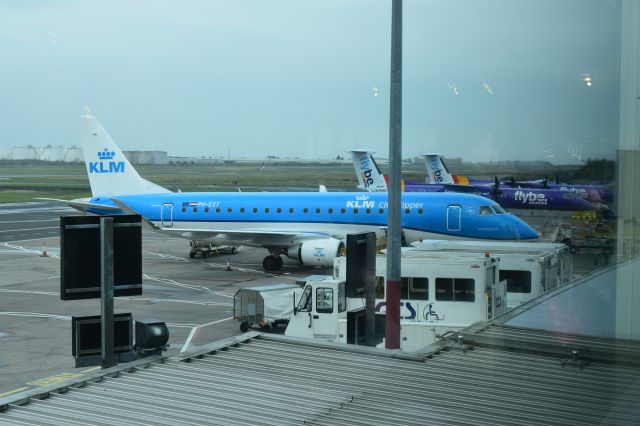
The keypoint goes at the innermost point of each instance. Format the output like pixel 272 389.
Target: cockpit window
pixel 497 208
pixel 483 210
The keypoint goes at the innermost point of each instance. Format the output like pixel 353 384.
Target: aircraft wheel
pixel 234 250
pixel 192 254
pixel 272 262
pixel 244 326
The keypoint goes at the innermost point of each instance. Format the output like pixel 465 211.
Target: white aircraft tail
pixel 109 171
pixel 370 177
pixel 437 171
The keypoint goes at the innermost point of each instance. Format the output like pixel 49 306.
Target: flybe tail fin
pixel 369 175
pixel 110 173
pixel 437 171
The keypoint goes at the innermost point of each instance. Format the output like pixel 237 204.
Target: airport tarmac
pixel 193 296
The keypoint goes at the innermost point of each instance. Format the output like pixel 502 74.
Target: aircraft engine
pixel 320 252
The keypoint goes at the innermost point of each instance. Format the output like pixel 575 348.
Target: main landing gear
pixel 273 262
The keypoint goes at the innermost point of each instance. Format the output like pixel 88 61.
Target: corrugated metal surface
pixel 271 380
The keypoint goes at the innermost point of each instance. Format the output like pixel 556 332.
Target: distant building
pixel 74 154
pixel 147 157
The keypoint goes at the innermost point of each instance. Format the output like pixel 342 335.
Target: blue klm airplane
pixel 306 226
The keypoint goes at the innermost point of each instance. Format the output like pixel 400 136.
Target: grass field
pixel 23 182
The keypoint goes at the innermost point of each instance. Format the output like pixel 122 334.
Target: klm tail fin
pixel 110 173
pixel 437 171
pixel 369 175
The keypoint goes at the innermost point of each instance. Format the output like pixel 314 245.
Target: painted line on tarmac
pixel 12 392
pixel 168 324
pixel 175 283
pixel 236 268
pixel 196 330
pixel 29 221
pixel 192 302
pixel 167 256
pixel 36 315
pixel 31 239
pixel 44 293
pixel 31 229
pixel 27 250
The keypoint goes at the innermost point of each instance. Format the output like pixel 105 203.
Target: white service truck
pixel 530 268
pixel 440 293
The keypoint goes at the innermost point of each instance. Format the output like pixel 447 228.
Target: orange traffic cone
pixel 44 250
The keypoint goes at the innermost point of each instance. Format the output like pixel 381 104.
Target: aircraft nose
pixel 524 231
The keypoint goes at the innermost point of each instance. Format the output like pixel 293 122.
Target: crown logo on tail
pixel 106 154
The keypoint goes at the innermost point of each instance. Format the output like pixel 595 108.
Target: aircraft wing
pixel 81 204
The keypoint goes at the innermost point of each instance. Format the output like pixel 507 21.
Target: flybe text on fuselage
pixel 106 165
pixel 530 198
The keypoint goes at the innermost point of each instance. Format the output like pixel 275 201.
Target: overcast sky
pixel 483 79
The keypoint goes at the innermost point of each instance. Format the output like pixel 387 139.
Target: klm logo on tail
pixel 106 165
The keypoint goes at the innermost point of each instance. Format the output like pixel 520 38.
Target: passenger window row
pixel 292 210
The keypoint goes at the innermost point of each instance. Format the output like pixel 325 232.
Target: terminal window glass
pixel 379 287
pixel 324 300
pixel 517 281
pixel 342 298
pixel 419 288
pixel 304 305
